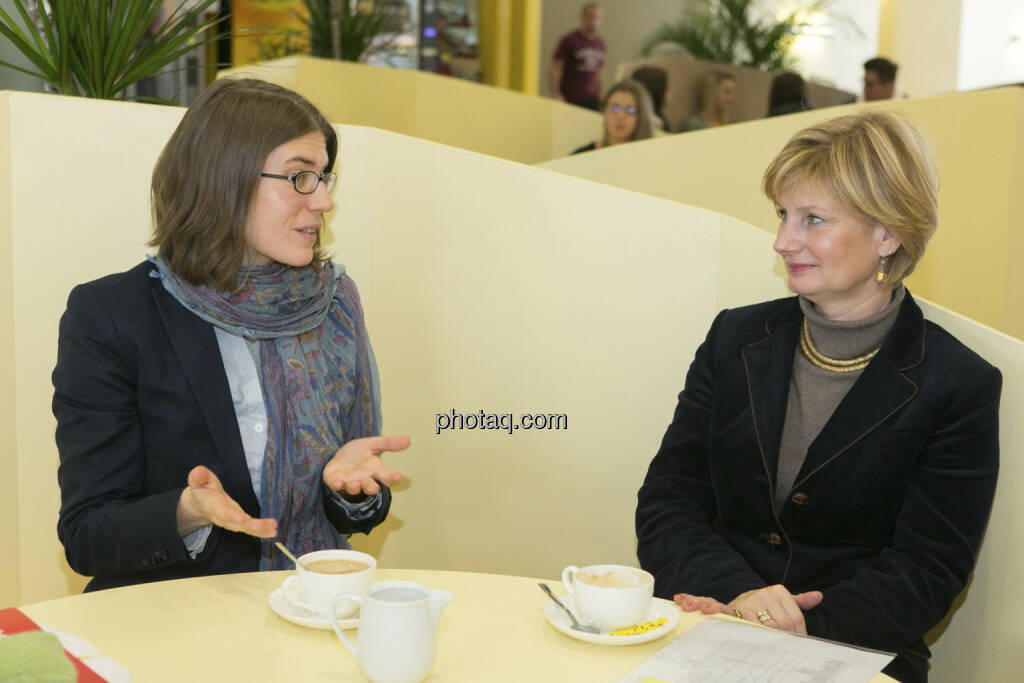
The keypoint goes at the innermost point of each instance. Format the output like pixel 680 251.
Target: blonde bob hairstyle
pixel 874 165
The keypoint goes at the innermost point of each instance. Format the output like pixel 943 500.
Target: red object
pixel 13 620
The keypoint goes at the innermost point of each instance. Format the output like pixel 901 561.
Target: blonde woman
pixel 715 95
pixel 833 456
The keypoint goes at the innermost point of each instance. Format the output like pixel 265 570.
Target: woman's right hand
pixel 204 502
pixel 785 610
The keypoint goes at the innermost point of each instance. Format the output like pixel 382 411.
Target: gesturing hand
pixel 204 502
pixel 357 467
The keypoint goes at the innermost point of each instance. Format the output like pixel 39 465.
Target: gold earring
pixel 883 268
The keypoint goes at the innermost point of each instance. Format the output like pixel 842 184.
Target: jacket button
pixel 774 540
pixel 799 499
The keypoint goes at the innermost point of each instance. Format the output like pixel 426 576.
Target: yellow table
pixel 220 628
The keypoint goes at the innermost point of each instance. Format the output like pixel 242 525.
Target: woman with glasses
pixel 222 394
pixel 628 116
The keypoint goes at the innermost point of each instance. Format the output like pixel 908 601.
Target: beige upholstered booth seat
pixel 452 111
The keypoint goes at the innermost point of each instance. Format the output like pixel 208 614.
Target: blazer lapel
pixel 195 345
pixel 769 366
pixel 880 391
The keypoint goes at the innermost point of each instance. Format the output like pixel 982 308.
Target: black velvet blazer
pixel 888 510
pixel 141 397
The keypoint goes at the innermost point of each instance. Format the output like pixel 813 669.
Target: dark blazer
pixel 141 397
pixel 888 510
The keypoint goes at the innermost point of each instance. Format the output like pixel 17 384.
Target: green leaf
pixel 22 70
pixel 10 29
pixel 96 48
pixel 34 34
pixel 727 31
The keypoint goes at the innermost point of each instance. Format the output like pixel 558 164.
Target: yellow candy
pixel 640 628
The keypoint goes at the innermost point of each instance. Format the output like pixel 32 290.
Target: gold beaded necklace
pixel 820 360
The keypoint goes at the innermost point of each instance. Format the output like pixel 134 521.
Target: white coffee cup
pixel 314 590
pixel 610 596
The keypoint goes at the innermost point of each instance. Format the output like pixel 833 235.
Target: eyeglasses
pixel 616 109
pixel 306 182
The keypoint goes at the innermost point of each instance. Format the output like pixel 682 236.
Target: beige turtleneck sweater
pixel 814 393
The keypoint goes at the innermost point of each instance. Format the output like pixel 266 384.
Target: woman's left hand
pixel 357 468
pixel 783 609
pixel 700 603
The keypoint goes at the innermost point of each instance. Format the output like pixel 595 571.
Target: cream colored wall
pixel 78 209
pixel 977 137
pixel 492 286
pixel 926 45
pixel 10 571
pixel 502 289
pixel 452 111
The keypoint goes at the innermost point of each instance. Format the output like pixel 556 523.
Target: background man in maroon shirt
pixel 575 73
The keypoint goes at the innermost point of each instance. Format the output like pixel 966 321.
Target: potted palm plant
pixel 734 32
pixel 346 30
pixel 97 48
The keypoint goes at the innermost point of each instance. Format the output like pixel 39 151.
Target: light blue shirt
pixel 241 363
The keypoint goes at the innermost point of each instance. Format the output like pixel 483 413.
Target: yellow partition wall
pixel 452 111
pixel 488 286
pixel 971 265
pixel 10 571
pixel 496 288
pixel 983 638
pixel 78 207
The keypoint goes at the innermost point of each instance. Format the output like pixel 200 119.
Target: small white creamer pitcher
pixel 397 630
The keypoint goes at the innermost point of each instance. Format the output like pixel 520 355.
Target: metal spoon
pixel 585 628
pixel 280 546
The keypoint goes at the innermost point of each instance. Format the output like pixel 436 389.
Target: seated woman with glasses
pixel 224 392
pixel 628 116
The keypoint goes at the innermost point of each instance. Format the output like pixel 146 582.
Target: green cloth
pixel 34 657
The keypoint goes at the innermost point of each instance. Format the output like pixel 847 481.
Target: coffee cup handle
pixel 334 618
pixel 289 582
pixel 568 574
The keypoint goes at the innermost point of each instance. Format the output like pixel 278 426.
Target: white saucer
pixel 298 615
pixel 660 609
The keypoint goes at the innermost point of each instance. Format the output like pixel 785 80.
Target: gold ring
pixel 763 615
pixel 738 613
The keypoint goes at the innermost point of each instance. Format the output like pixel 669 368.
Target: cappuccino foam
pixel 336 566
pixel 612 579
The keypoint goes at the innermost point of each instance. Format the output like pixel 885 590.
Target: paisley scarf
pixel 319 382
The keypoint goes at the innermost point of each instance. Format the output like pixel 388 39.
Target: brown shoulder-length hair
pixel 644 109
pixel 206 176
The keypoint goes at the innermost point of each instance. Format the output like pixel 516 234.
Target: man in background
pixel 575 72
pixel 879 79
